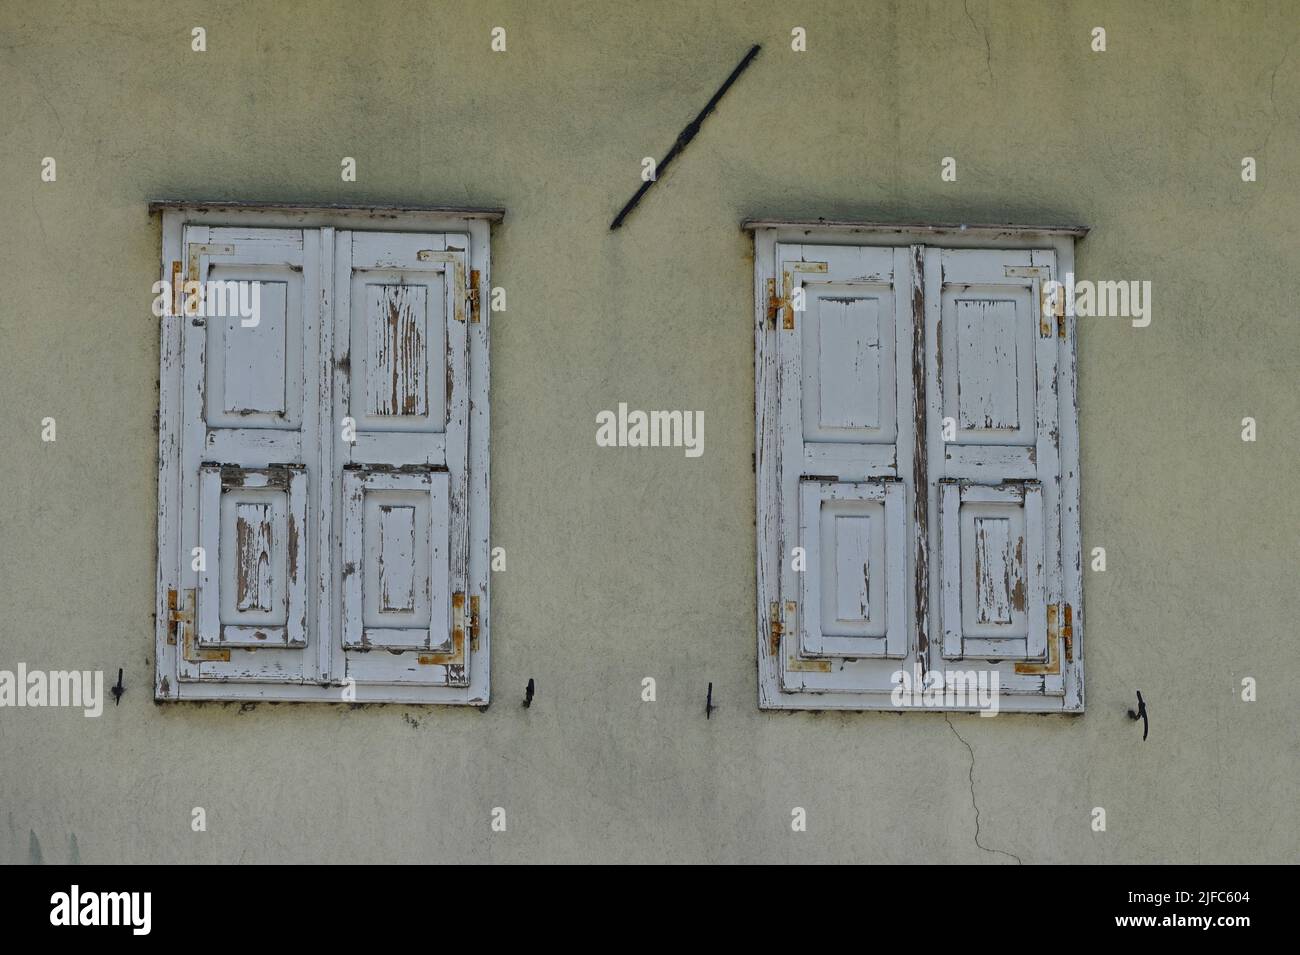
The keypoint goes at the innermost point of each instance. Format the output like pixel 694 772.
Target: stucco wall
pixel 631 563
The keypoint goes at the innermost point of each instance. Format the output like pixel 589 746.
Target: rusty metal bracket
pixel 473 623
pixel 459 624
pixel 198 249
pixel 794 662
pixel 775 629
pixel 176 615
pixel 1067 632
pixel 1049 306
pixel 774 302
pixel 474 296
pixel 785 302
pixel 176 287
pixel 189 643
pixel 1053 664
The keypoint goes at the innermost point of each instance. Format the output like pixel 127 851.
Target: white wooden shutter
pixel 993 380
pixel 843 334
pixel 401 333
pixel 321 457
pixel 248 444
pixel 917 438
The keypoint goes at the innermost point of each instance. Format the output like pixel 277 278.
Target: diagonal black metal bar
pixel 685 136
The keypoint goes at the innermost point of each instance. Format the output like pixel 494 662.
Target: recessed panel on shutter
pixel 994 400
pixel 994 571
pixel 396 583
pixel 853 594
pixel 253 523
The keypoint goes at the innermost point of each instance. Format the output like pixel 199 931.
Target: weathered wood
pixel 828 227
pixel 247 405
pixel 336 212
pixel 842 378
pixel 994 609
pixel 973 355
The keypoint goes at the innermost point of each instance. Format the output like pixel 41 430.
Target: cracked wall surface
pixel 624 564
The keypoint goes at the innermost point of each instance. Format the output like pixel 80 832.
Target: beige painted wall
pixel 632 563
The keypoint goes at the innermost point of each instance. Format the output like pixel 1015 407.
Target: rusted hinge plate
pixel 199 249
pixel 473 623
pixel 774 302
pixel 185 617
pixel 459 624
pixel 1051 303
pixel 1067 632
pixel 473 294
pixel 785 303
pixel 176 287
pixel 794 662
pixel 176 615
pixel 1053 664
pixel 775 628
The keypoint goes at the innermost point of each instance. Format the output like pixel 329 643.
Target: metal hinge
pixel 176 287
pixel 473 295
pixel 1067 632
pixel 776 303
pixel 461 621
pixel 1052 665
pixel 473 623
pixel 185 617
pixel 776 629
pixel 1051 305
pixel 176 615
pixel 784 303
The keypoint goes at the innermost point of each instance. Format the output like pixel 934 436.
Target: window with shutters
pixel 323 455
pixel 917 466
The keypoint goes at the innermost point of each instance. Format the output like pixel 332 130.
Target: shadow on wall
pixel 35 856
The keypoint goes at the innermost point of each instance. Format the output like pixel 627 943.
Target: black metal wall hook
pixel 708 704
pixel 1140 714
pixel 528 693
pixel 119 689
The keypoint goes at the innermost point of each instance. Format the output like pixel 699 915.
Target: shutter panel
pixel 993 382
pixel 253 523
pixel 993 573
pixel 396 572
pixel 248 444
pixel 854 591
pixel 844 352
pixel 400 329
